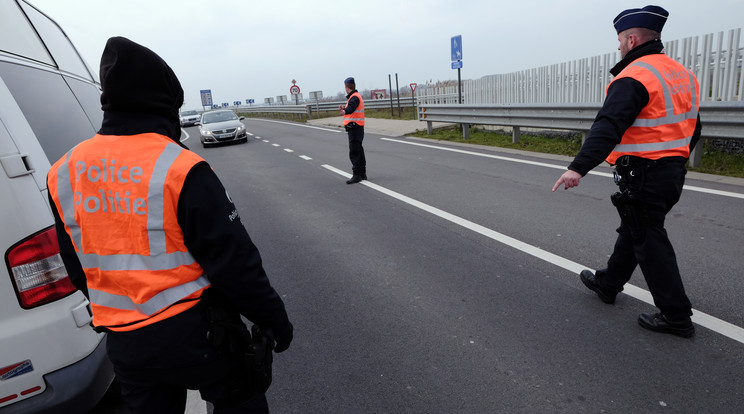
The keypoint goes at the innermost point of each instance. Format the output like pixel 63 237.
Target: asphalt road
pixel 447 283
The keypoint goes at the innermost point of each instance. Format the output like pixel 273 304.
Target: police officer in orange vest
pixel 646 128
pixel 149 234
pixel 353 114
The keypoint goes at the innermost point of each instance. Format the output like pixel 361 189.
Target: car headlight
pixel 241 128
pixel 207 133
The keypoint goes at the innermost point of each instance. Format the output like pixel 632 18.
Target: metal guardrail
pixel 308 109
pixel 720 119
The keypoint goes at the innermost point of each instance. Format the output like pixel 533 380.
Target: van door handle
pixel 16 165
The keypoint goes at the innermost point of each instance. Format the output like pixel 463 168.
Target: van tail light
pixel 38 271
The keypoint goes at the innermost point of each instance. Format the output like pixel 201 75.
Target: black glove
pixel 226 331
pixel 284 338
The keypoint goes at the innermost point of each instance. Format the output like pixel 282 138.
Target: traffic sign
pixel 238 103
pixel 225 104
pixel 457 65
pixel 456 44
pixel 294 90
pixel 413 87
pixel 206 97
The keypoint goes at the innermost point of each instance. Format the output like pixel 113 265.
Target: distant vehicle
pixel 189 118
pixel 50 358
pixel 222 126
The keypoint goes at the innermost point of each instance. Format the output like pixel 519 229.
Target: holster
pixel 631 213
pixel 229 334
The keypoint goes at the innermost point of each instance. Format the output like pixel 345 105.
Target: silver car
pixel 221 126
pixel 189 118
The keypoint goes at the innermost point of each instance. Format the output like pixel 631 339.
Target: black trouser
pixel 155 365
pixel 650 190
pixel 356 151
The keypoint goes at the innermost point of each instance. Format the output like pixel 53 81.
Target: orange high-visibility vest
pixel 358 115
pixel 118 198
pixel 665 125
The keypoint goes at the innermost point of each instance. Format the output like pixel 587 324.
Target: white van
pixel 50 358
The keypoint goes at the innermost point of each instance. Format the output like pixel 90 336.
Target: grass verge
pixel 714 161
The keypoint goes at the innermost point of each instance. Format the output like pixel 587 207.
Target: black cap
pixel 649 17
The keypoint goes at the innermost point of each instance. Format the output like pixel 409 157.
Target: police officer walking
pixel 353 114
pixel 646 128
pixel 147 231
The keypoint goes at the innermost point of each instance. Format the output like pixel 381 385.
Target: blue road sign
pixel 238 103
pixel 225 104
pixel 456 44
pixel 250 101
pixel 457 65
pixel 206 97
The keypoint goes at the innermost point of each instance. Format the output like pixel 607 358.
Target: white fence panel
pixel 718 69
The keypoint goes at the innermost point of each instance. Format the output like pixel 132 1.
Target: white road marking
pixel 559 167
pixel 724 328
pixel 305 157
pixel 288 150
pixel 299 125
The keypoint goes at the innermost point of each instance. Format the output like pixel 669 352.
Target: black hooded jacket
pixel 625 99
pixel 142 94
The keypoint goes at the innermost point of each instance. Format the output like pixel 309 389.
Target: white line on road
pixel 305 157
pixel 300 125
pixel 560 167
pixel 288 150
pixel 724 328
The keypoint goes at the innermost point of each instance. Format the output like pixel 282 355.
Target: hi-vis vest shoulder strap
pixel 665 126
pixel 118 197
pixel 358 115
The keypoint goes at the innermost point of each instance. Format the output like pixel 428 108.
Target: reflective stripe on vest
pixel 661 129
pixel 158 302
pixel 358 114
pixel 156 259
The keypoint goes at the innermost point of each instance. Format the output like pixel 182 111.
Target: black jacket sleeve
pixel 626 98
pixel 216 238
pixel 352 105
pixel 696 134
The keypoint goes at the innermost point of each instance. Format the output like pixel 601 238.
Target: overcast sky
pixel 241 49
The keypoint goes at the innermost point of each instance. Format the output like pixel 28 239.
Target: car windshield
pixel 189 113
pixel 210 117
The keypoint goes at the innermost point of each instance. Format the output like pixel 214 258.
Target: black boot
pixel 354 179
pixel 590 281
pixel 657 322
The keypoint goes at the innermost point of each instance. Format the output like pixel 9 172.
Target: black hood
pixel 138 86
